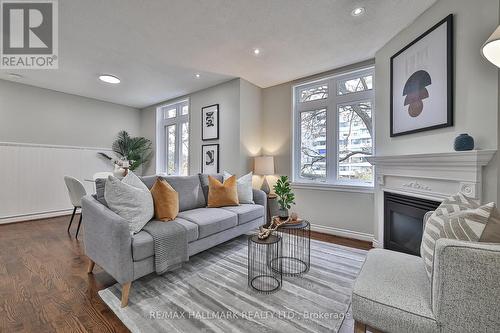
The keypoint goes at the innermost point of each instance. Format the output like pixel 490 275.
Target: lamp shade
pixel 491 49
pixel 264 165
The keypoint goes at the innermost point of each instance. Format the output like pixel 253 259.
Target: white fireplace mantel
pixel 433 176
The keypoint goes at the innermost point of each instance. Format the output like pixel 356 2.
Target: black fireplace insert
pixel 403 222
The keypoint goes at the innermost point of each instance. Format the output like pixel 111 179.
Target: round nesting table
pixel 262 277
pixel 296 254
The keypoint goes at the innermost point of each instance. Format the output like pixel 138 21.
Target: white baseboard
pixel 376 244
pixel 342 232
pixel 38 216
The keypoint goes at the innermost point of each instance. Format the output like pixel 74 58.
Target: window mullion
pixel 332 149
pixel 178 130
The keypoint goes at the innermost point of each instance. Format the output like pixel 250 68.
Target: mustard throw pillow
pixel 166 200
pixel 222 194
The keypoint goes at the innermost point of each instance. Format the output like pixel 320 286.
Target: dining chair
pixel 76 192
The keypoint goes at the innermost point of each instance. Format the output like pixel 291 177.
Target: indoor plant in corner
pixel 286 198
pixel 132 151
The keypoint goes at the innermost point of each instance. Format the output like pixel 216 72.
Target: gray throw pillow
pixel 130 199
pixel 100 185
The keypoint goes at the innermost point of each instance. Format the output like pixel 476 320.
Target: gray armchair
pixel 394 294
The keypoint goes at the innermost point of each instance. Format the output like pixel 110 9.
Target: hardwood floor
pixel 44 285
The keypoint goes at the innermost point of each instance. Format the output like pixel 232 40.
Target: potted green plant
pixel 132 151
pixel 286 198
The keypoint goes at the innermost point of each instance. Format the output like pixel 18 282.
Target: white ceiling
pixel 156 47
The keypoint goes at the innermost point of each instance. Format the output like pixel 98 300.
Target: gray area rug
pixel 210 294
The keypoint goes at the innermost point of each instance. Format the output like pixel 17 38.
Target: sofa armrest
pixel 107 240
pixel 260 198
pixel 465 286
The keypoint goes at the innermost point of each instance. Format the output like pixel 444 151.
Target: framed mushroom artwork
pixel 422 82
pixel 210 159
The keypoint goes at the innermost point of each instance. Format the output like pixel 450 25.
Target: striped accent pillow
pixel 458 217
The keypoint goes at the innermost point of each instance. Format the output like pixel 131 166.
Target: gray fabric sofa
pixel 127 257
pixel 394 294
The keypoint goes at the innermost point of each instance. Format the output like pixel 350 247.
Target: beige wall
pixel 250 124
pixel 476 85
pixel 343 213
pixel 34 115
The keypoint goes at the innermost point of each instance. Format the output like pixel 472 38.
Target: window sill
pixel 334 187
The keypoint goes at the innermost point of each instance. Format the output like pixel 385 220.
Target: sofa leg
pixel 125 291
pixel 359 327
pixel 90 267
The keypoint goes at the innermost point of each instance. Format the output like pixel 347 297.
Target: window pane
pixel 362 83
pixel 313 93
pixel 355 142
pixel 170 135
pixel 185 149
pixel 313 144
pixel 185 109
pixel 170 113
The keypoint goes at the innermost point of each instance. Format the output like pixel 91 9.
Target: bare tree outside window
pixel 353 134
pixel 313 144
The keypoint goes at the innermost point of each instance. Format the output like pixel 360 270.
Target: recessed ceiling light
pixel 256 51
pixel 197 75
pixel 109 78
pixel 358 11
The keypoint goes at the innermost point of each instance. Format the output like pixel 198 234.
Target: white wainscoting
pixel 31 178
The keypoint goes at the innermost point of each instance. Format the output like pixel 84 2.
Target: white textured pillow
pixel 130 199
pixel 244 187
pixel 458 217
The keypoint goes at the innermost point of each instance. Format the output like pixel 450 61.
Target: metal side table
pixel 261 253
pixel 296 255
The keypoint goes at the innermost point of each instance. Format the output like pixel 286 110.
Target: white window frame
pixel 162 124
pixel 330 104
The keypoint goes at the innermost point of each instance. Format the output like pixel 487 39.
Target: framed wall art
pixel 210 122
pixel 422 82
pixel 210 159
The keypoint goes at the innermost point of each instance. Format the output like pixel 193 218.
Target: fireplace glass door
pixel 403 222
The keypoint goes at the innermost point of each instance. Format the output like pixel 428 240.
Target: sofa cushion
pixel 210 220
pixel 393 294
pixel 189 189
pixel 143 245
pixel 246 212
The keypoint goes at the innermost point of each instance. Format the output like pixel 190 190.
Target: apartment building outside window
pixel 333 130
pixel 172 149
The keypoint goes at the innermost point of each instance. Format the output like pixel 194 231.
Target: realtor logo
pixel 29 33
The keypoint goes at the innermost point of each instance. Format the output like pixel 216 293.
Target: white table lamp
pixel 264 166
pixel 491 49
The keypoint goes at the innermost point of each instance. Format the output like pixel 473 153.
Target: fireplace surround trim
pixel 432 176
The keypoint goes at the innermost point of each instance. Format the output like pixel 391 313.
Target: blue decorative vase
pixel 464 142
